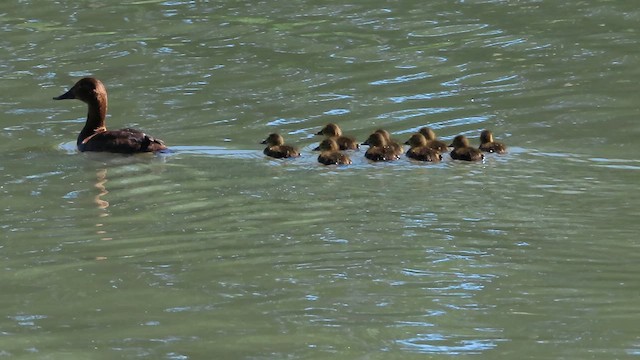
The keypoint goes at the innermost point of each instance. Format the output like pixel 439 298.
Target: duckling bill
pixel 94 136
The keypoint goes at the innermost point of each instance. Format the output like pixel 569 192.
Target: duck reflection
pixel 101 180
pixel 101 177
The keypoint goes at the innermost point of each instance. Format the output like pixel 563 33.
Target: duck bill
pixel 68 95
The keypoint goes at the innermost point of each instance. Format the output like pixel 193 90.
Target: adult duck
pixel 487 144
pixel 420 151
pixel 462 150
pixel 330 153
pixel 332 130
pixel 277 149
pixel 94 136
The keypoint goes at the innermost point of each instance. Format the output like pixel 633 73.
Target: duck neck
pixel 95 117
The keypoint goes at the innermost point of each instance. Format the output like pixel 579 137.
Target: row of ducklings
pixel 423 146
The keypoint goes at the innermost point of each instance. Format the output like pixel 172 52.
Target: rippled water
pixel 214 251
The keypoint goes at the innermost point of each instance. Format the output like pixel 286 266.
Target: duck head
pixel 89 90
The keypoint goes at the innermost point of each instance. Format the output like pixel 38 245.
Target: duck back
pixel 126 141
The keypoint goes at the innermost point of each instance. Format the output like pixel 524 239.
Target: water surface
pixel 214 251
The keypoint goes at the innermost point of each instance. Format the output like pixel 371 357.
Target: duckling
pixel 332 130
pixel 277 149
pixel 330 154
pixel 397 148
pixel 94 136
pixel 487 144
pixel 379 150
pixel 432 140
pixel 420 151
pixel 462 150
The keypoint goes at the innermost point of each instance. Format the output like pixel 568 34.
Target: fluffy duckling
pixel 397 148
pixel 94 136
pixel 462 150
pixel 420 151
pixel 332 130
pixel 432 140
pixel 487 144
pixel 330 153
pixel 277 149
pixel 379 150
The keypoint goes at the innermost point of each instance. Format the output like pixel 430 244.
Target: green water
pixel 216 252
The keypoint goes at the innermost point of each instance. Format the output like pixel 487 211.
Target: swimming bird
pixel 332 130
pixel 462 150
pixel 420 151
pixel 379 150
pixel 432 140
pixel 94 136
pixel 487 144
pixel 395 147
pixel 330 154
pixel 277 149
